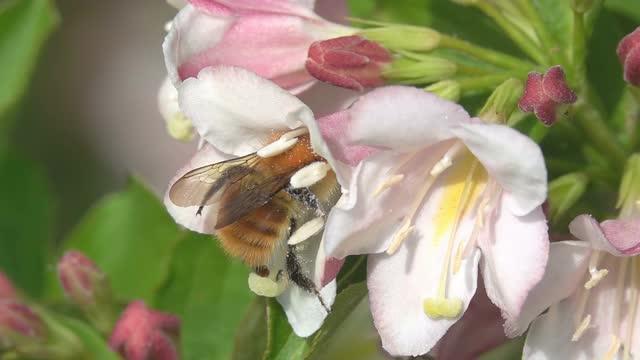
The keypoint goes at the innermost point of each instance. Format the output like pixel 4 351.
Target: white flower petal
pixel 514 256
pixel 187 216
pixel 237 111
pixel 513 159
pixel 586 228
pixel 403 118
pixel 303 309
pixel 566 267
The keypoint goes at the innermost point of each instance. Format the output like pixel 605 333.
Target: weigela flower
pixel 19 324
pixel 145 334
pixel 629 55
pixel 237 113
pixel 270 38
pixel 442 193
pixel 544 93
pixel 352 62
pixel 6 287
pixel 598 281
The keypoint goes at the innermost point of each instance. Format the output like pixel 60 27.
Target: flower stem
pixel 578 48
pixel 526 43
pixel 547 42
pixel 591 122
pixel 490 56
pixel 485 82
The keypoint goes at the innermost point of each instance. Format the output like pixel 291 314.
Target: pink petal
pixel 567 265
pixel 397 117
pixel 555 86
pixel 533 92
pixel 253 7
pixel 513 159
pixel 187 216
pixel 623 234
pixel 628 43
pixel 586 228
pixel 515 251
pixel 632 67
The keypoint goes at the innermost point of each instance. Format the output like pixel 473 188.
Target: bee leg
pixel 299 278
pixel 261 271
pixel 305 196
pixel 199 212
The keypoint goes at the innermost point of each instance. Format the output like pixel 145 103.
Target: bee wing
pixel 235 186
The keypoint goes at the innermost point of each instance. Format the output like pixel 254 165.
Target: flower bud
pixel 446 89
pixel 6 287
pixel 544 93
pixel 502 102
pixel 88 287
pixel 404 37
pixel 629 54
pixel 420 69
pixel 19 325
pixel 352 62
pixel 145 334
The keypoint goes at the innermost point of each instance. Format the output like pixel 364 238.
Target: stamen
pixel 276 148
pixel 400 235
pixel 584 325
pixel 633 307
pixel 306 231
pixel 596 275
pixel 447 159
pixel 294 133
pixel 441 306
pixel 389 182
pixel 266 286
pixel 620 289
pixel 309 175
pixel 613 349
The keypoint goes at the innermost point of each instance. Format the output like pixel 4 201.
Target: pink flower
pixel 352 62
pixel 594 287
pixel 6 287
pixel 19 324
pixel 270 38
pixel 442 193
pixel 544 93
pixel 237 113
pixel 145 334
pixel 629 54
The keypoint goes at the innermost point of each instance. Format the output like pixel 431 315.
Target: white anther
pixel 306 231
pixel 276 148
pixel 389 182
pixel 294 134
pixel 399 237
pixel 265 286
pixel 310 174
pixel 584 325
pixel 596 276
pixel 168 25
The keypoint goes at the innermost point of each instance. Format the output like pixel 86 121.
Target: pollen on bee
pixel 266 286
pixel 306 231
pixel 310 174
pixel 276 148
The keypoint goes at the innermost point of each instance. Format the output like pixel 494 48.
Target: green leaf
pixel 26 218
pixel 131 237
pixel 345 303
pixel 25 25
pixel 627 8
pixel 564 192
pixel 251 333
pixel 209 291
pixel 557 17
pixel 94 344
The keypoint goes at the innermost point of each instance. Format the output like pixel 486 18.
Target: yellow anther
pixel 584 325
pixel 389 182
pixel 442 307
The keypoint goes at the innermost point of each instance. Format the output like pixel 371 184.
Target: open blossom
pixel 237 113
pixel 595 286
pixel 270 38
pixel 443 193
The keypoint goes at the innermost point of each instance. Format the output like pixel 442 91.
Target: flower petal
pixel 623 234
pixel 398 285
pixel 586 228
pixel 403 118
pixel 567 264
pixel 237 111
pixel 248 7
pixel 187 216
pixel 513 159
pixel 514 256
pixel 303 309
pixel 363 222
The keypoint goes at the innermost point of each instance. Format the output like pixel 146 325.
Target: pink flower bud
pixel 81 279
pixel 6 287
pixel 544 93
pixel 145 334
pixel 352 62
pixel 629 55
pixel 18 324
